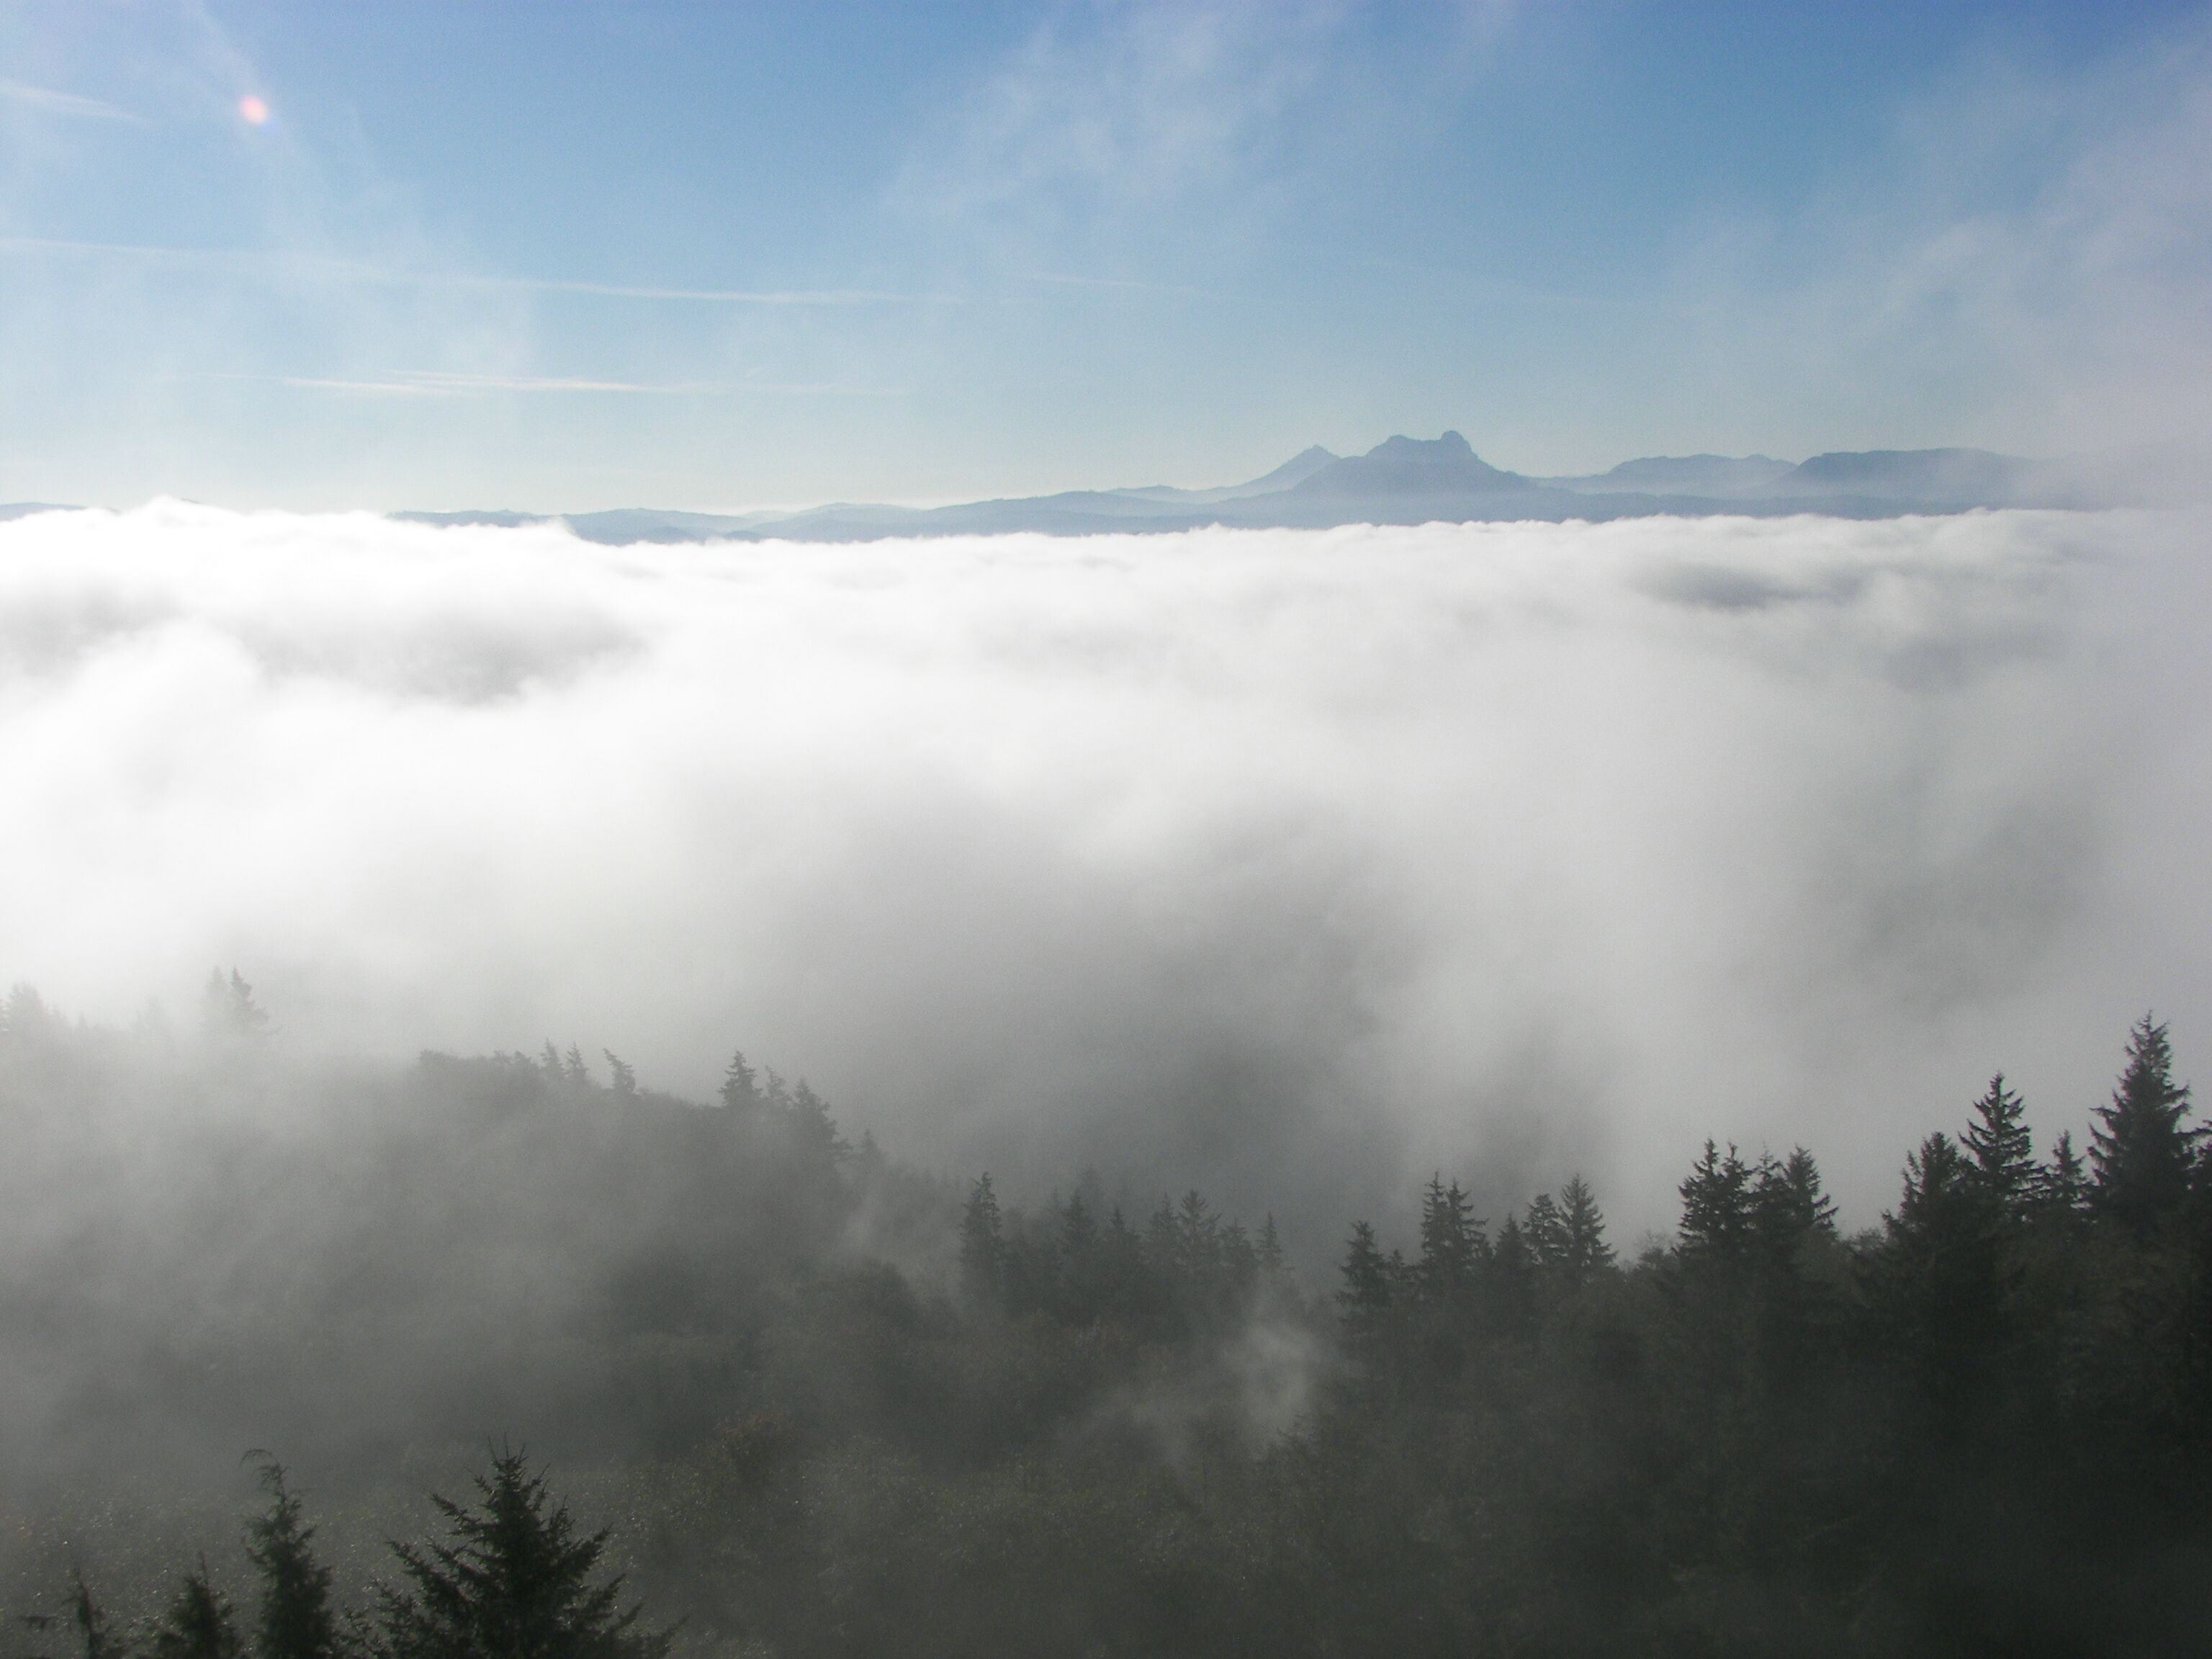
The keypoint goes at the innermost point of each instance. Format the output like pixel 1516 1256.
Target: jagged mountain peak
pixel 1449 445
pixel 1399 465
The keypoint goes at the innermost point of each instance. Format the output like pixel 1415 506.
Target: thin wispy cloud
pixel 1126 107
pixel 46 100
pixel 838 296
pixel 454 383
pixel 1129 284
pixel 2032 258
pixel 292 265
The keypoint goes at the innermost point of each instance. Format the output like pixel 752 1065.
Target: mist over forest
pixel 803 1398
pixel 1384 1089
pixel 1293 865
pixel 863 829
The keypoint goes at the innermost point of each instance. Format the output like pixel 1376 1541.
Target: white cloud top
pixel 1512 847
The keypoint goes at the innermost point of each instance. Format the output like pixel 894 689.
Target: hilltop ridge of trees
pixel 838 1407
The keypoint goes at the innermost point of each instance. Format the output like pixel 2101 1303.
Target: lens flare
pixel 253 111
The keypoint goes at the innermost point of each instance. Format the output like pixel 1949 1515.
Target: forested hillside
pixel 828 1406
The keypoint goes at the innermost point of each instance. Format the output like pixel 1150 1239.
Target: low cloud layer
pixel 1291 864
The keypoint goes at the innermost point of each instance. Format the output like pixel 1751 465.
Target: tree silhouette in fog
pixel 295 1618
pixel 2141 1154
pixel 198 1623
pixel 512 1580
pixel 228 1011
pixel 847 1408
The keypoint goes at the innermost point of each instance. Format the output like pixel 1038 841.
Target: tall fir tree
pixel 1450 1243
pixel 813 1131
pixel 1717 1206
pixel 983 1247
pixel 2001 1147
pixel 91 1621
pixel 513 1582
pixel 1198 1237
pixel 1078 1229
pixel 775 1093
pixel 228 1012
pixel 740 1090
pixel 1584 1251
pixel 293 1619
pixel 1940 1282
pixel 1510 1280
pixel 1547 1227
pixel 1364 1294
pixel 2140 1155
pixel 2062 1186
pixel 1787 1205
pixel 198 1623
pixel 1273 1268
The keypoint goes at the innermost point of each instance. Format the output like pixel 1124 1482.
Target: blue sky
pixel 578 253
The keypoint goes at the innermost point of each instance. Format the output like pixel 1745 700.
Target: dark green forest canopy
pixel 830 1406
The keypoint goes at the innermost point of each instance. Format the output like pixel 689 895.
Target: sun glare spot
pixel 253 111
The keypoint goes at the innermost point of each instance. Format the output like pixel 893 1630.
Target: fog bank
pixel 1288 863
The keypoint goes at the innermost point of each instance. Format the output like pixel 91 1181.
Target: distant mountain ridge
pixel 1719 476
pixel 1406 480
pixel 1443 466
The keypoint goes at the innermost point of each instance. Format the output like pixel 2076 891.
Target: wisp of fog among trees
pixel 562 1367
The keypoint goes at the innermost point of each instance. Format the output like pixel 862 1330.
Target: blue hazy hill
pixel 1404 480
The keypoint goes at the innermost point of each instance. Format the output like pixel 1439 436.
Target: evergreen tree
pixel 1512 1275
pixel 1163 1240
pixel 1272 1268
pixel 228 1012
pixel 1450 1238
pixel 624 1076
pixel 25 1014
pixel 776 1094
pixel 1513 1253
pixel 1128 1286
pixel 91 1621
pixel 1716 1211
pixel 1197 1235
pixel 1399 1272
pixel 1939 1184
pixel 983 1247
pixel 1939 1280
pixel 1364 1295
pixel 1789 1308
pixel 2001 1147
pixel 197 1624
pixel 1079 1232
pixel 740 1089
pixel 1082 1291
pixel 2062 1186
pixel 295 1618
pixel 1238 1264
pixel 513 1582
pixel 1583 1250
pixel 2141 1156
pixel 813 1131
pixel 1547 1228
pixel 1787 1204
